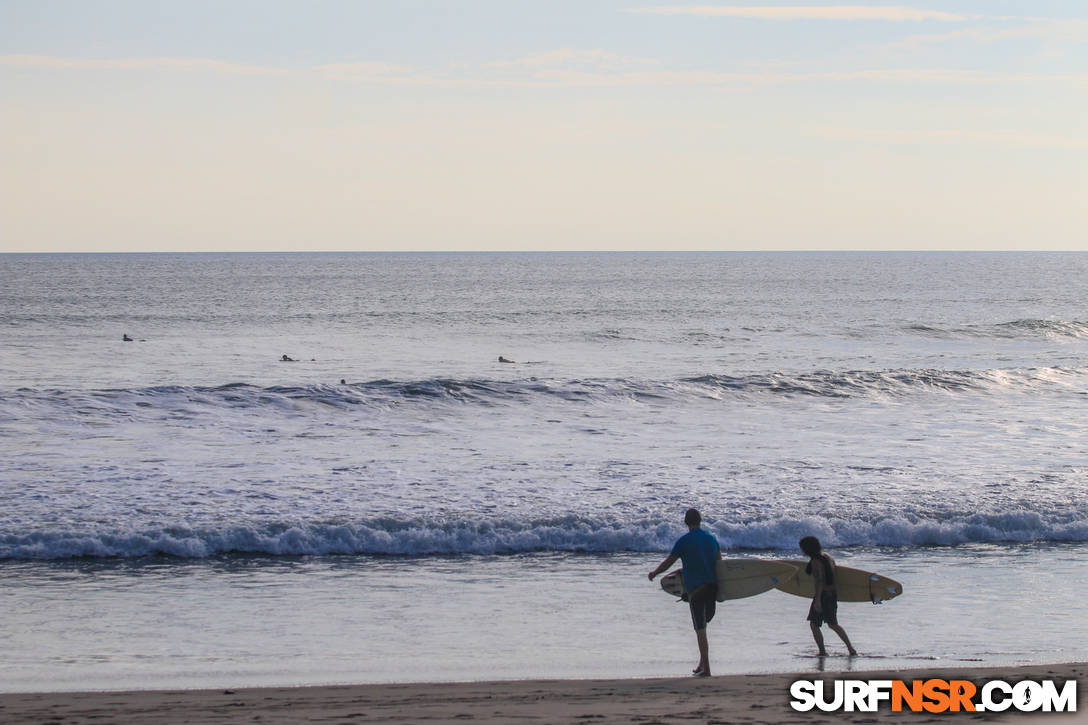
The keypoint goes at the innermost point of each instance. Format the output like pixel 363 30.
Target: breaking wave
pixel 1026 328
pixel 389 393
pixel 422 538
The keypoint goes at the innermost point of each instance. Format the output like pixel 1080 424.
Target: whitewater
pixel 922 413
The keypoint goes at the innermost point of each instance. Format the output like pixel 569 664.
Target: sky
pixel 384 125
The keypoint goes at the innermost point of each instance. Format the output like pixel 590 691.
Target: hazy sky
pixel 193 125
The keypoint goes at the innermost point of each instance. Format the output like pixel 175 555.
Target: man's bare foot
pixel 853 652
pixel 822 653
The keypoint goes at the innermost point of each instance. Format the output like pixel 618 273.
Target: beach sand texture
pixel 724 699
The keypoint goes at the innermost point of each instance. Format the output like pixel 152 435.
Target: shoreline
pixel 733 698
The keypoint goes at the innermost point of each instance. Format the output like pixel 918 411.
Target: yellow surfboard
pixel 853 585
pixel 738 578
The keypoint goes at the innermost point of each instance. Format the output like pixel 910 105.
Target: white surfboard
pixel 853 585
pixel 738 578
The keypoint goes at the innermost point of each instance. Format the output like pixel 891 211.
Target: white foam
pixel 475 537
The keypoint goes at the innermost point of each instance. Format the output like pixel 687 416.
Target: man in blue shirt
pixel 700 553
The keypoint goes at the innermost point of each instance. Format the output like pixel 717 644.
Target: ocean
pixel 187 509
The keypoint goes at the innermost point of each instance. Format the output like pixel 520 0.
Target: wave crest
pixel 1025 328
pixel 421 538
pixel 483 392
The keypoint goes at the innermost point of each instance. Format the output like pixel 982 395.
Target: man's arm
pixel 817 583
pixel 669 561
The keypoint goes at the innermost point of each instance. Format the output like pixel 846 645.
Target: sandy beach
pixel 721 699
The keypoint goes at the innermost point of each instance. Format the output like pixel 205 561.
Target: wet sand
pixel 722 699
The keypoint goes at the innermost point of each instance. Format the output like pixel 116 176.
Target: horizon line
pixel 905 250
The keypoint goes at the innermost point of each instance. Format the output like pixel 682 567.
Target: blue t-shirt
pixel 699 552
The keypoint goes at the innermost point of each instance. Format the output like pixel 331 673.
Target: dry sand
pixel 725 699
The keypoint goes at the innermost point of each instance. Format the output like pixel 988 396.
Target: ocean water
pixel 395 504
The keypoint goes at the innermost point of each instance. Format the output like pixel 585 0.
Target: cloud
pixel 951 136
pixel 597 58
pixel 206 65
pixel 713 78
pixel 362 70
pixel 811 12
pixel 1063 31
pixel 554 69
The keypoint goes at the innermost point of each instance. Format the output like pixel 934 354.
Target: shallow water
pixel 292 621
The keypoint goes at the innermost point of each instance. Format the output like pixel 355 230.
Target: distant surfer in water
pixel 699 551
pixel 502 359
pixel 285 358
pixel 825 600
pixel 126 338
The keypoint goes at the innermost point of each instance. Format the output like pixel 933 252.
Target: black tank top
pixel 829 572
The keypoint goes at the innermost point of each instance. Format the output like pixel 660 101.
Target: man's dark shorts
pixel 703 603
pixel 830 614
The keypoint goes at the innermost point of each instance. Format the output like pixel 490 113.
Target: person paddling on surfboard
pixel 825 600
pixel 699 551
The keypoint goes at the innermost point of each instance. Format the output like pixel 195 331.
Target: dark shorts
pixel 703 603
pixel 830 614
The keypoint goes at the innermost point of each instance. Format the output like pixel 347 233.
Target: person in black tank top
pixel 825 599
